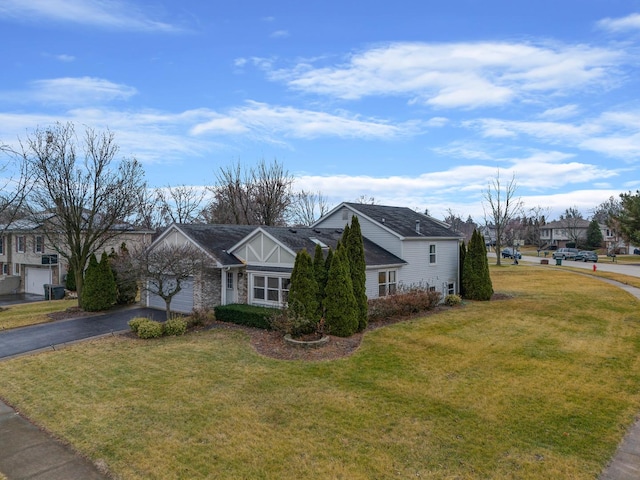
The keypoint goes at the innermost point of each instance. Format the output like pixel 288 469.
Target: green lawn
pixel 31 313
pixel 535 386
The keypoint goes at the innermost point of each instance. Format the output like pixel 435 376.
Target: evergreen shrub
pixel 175 327
pixel 249 315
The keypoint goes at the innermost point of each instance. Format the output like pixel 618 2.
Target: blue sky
pixel 416 103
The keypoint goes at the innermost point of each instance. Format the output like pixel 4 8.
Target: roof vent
pixel 417 226
pixel 293 230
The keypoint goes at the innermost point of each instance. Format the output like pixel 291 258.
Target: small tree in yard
pixel 166 268
pixel 341 308
pixel 303 292
pixel 594 235
pixel 100 286
pixel 476 280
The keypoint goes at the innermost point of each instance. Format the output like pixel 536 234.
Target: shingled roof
pixel 405 222
pixel 216 239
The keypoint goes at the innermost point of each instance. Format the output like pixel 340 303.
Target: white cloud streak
pixel 630 22
pixel 110 14
pixel 455 75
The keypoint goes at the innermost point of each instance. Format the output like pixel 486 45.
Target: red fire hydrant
pixel 595 267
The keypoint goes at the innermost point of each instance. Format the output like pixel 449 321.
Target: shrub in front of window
pixel 303 291
pixel 341 309
pixel 405 302
pixel 452 300
pixel 249 315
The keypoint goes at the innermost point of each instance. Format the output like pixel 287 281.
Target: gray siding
pixel 181 303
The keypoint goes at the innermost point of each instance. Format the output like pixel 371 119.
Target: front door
pixel 230 286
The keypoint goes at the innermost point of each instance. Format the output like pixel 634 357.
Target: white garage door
pixel 35 279
pixel 181 303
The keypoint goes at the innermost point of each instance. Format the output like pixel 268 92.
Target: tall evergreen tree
pixel 594 235
pixel 320 273
pixel 124 276
pixel 476 279
pixel 463 254
pixel 341 309
pixel 303 290
pixel 352 239
pixel 100 286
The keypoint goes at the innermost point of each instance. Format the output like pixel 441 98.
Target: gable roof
pixel 218 240
pixel 403 221
pixel 302 237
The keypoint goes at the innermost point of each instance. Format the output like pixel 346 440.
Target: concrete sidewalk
pixel 29 453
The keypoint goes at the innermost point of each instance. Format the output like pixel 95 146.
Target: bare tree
pixel 260 195
pixel 363 199
pixel 307 207
pixel 500 207
pixel 15 185
pixel 573 223
pixel 180 204
pixel 164 269
pixel 538 217
pixel 86 197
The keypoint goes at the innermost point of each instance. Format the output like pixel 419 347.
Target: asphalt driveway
pixel 23 340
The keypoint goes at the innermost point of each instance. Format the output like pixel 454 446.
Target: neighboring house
pixel 559 232
pixel 253 264
pixel 28 261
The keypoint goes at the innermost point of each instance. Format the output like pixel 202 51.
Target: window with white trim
pixel 386 282
pixel 229 280
pixel 270 290
pixel 1 245
pixel 21 244
pixel 16 269
pixel 451 288
pixel 5 269
pixel 38 244
pixel 432 253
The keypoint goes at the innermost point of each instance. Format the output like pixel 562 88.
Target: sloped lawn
pixel 537 385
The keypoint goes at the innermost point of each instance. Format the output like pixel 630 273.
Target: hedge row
pixel 249 315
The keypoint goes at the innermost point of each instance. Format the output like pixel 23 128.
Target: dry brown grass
pixel 538 385
pixel 31 313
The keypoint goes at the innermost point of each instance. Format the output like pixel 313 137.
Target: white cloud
pixel 267 121
pixel 112 14
pixel 455 75
pixel 560 113
pixel 71 91
pixel 279 34
pixel 615 133
pixel 630 22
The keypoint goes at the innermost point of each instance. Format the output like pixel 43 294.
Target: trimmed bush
pixel 452 300
pixel 249 315
pixel 352 239
pixel 175 327
pixel 409 302
pixel 134 323
pixel 150 329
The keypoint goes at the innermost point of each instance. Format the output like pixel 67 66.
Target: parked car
pixel 586 256
pixel 509 253
pixel 565 253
